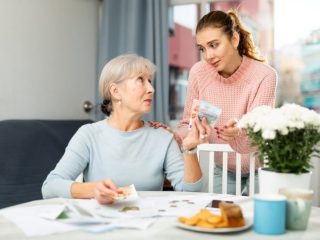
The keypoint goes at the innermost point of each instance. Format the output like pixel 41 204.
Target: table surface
pixel 164 228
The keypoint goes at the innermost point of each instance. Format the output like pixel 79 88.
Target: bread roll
pixel 231 215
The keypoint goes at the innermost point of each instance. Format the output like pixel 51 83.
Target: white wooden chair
pixel 226 149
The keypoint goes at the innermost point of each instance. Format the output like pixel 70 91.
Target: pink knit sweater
pixel 253 84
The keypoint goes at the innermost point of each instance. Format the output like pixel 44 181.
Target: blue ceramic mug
pixel 269 214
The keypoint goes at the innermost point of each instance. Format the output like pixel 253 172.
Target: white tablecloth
pixel 163 228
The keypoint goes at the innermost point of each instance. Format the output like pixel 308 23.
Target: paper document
pixel 87 214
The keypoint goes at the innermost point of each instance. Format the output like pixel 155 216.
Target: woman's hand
pixel 229 132
pixel 198 134
pixel 175 134
pixel 106 191
pixel 158 124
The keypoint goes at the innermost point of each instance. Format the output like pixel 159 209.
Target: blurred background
pixel 52 51
pixel 286 32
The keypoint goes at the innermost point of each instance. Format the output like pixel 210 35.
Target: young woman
pixel 123 149
pixel 233 77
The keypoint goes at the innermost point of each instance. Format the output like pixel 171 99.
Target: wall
pixel 183 52
pixel 48 58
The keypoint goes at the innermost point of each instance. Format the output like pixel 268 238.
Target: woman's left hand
pixel 229 132
pixel 198 134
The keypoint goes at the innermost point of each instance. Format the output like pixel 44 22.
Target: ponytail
pixel 246 45
pixel 229 23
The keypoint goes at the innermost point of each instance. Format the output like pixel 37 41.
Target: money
pixel 128 192
pixel 203 109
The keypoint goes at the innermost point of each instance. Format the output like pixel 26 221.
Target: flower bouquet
pixel 286 137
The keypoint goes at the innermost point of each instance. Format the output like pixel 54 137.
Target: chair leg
pixel 238 174
pixel 225 173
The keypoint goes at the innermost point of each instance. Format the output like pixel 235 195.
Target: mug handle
pixel 301 206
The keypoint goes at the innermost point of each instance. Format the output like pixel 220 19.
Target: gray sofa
pixel 29 150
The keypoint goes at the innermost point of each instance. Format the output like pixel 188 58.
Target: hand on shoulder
pixel 162 125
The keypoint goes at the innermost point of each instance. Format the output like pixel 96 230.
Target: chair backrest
pixel 225 149
pixel 29 150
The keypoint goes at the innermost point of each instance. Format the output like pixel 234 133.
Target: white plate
pixel 248 224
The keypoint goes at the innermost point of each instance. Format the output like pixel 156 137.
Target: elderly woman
pixel 123 149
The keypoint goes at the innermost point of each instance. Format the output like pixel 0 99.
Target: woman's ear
pixel 235 39
pixel 114 91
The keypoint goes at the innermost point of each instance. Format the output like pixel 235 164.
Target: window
pixel 290 44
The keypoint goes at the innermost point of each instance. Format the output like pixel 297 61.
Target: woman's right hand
pixel 106 191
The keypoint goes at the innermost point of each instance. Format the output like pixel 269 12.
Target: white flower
pixel 288 130
pixel 249 120
pixel 268 134
pixel 279 120
pixel 311 118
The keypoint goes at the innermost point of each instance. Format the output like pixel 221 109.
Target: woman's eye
pixel 140 79
pixel 214 45
pixel 201 49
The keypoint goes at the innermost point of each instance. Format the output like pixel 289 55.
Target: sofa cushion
pixel 29 150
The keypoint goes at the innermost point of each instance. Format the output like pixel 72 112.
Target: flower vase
pixel 270 182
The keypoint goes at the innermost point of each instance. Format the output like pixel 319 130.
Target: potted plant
pixel 286 139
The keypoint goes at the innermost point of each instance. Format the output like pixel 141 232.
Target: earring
pixel 119 102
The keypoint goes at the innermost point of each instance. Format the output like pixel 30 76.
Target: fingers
pixel 228 137
pixel 102 199
pixel 207 126
pixel 158 125
pixel 110 184
pixel 155 124
pixel 197 129
pixel 232 122
pixel 198 134
pixel 229 131
pixel 106 191
pixel 225 138
pixel 201 130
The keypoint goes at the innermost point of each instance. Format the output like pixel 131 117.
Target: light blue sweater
pixel 142 157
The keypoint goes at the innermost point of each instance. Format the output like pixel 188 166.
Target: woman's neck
pixel 232 67
pixel 124 123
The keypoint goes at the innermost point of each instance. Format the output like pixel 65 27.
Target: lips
pixel 215 63
pixel 148 101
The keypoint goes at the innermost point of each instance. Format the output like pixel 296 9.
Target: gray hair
pixel 119 69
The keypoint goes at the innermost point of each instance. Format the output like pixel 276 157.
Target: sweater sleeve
pixel 71 165
pixel 192 93
pixel 174 170
pixel 265 94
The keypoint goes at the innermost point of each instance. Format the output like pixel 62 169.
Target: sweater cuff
pixel 193 187
pixel 59 188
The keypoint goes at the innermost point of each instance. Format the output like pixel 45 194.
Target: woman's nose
pixel 150 88
pixel 209 54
